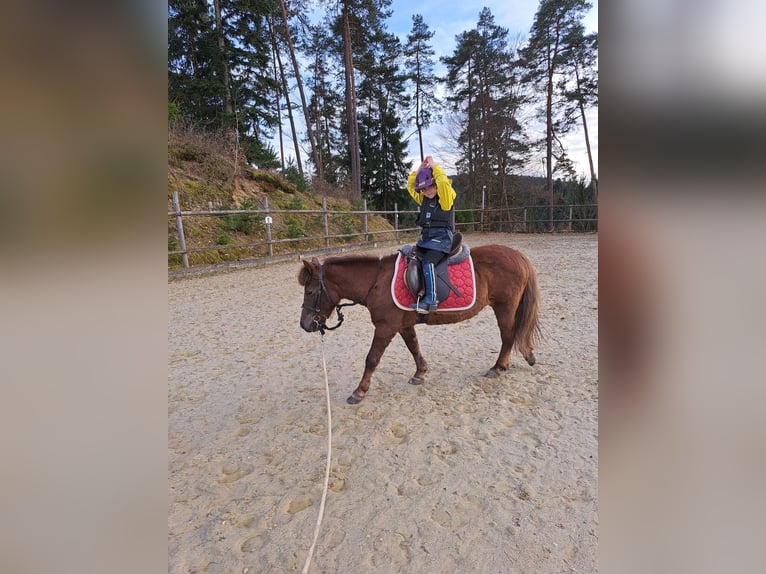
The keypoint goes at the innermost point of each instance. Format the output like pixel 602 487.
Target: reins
pixel 322 327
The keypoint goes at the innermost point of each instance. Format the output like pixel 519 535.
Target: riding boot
pixel 428 303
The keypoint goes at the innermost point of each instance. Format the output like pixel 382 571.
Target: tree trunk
pixel 418 123
pixel 552 54
pixel 228 103
pixel 279 111
pixel 353 128
pixel 309 130
pixel 287 97
pixel 549 147
pixel 469 139
pixel 593 180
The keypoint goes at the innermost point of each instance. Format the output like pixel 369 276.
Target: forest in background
pixel 345 91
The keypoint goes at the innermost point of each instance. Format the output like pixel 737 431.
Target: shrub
pixel 242 222
pixel 293 227
pixel 294 176
pixel 297 204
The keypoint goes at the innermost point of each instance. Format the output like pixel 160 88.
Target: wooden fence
pixel 528 219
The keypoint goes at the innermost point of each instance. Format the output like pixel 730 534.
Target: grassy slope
pixel 203 172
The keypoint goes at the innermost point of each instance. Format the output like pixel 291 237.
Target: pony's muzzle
pixel 311 324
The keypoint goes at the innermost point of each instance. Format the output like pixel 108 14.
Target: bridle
pixel 317 309
pixel 321 326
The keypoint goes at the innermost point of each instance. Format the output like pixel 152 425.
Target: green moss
pixel 274 180
pixel 205 258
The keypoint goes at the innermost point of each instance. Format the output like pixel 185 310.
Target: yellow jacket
pixel 443 188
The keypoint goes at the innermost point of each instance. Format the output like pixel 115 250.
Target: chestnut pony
pixel 505 280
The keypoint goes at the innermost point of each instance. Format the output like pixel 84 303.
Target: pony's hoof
pixel 416 381
pixel 531 359
pixel 492 374
pixel 354 400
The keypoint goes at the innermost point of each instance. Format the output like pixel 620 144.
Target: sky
pixel 447 19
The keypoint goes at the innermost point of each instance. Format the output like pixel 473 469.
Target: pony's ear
pixel 308 270
pixel 311 265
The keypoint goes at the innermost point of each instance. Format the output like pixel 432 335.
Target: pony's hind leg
pixel 506 323
pixel 411 340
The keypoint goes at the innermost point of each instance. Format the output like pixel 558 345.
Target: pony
pixel 505 280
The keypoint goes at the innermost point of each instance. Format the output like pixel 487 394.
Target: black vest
pixel 432 215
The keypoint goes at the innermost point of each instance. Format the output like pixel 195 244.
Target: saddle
pixel 413 275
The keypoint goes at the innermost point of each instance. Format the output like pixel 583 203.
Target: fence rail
pixel 527 219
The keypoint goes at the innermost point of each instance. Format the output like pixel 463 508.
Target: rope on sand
pixel 327 468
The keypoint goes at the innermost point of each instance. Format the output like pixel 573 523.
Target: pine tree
pixel 194 83
pixel 355 22
pixel 381 98
pixel 483 92
pixel 419 64
pixel 326 102
pixel 584 91
pixel 281 76
pixel 218 69
pixel 299 83
pixel 547 58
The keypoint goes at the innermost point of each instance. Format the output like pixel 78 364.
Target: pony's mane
pixel 353 259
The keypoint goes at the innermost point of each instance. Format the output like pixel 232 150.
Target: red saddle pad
pixel 461 275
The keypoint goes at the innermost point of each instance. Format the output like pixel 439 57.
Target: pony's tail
pixel 528 332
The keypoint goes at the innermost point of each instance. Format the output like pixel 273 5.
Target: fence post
pixel 365 221
pixel 396 221
pixel 326 223
pixel 570 218
pixel 526 225
pixel 267 220
pixel 180 227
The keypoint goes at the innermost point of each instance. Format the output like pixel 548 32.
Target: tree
pixel 483 91
pixel 325 102
pixel 253 86
pixel 381 98
pixel 419 62
pixel 218 69
pixel 299 82
pixel 356 22
pixel 224 63
pixel 547 58
pixel 286 91
pixel 351 119
pixel 194 84
pixel 585 90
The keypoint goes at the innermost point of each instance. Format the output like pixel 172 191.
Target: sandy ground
pixel 462 474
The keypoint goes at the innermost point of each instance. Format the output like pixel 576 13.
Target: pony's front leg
pixel 411 340
pixel 380 341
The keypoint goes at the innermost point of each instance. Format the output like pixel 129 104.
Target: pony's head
pixel 318 302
